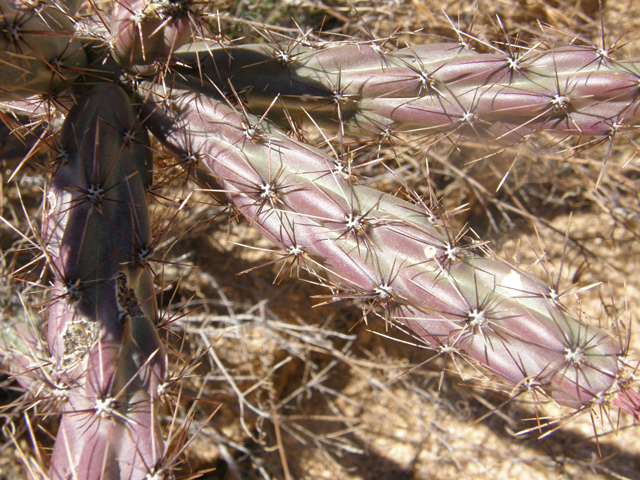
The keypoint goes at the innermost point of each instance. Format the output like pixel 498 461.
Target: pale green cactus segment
pixel 22 348
pixel 101 320
pixel 427 88
pixel 397 256
pixel 38 51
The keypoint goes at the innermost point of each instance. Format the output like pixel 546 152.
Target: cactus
pixel 399 256
pixel 145 31
pixel 238 121
pixel 434 88
pixel 101 327
pixel 38 51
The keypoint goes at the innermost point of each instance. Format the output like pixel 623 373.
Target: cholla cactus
pixel 429 89
pixel 101 328
pixel 401 257
pixel 109 77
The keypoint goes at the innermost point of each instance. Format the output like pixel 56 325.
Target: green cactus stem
pixel 397 255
